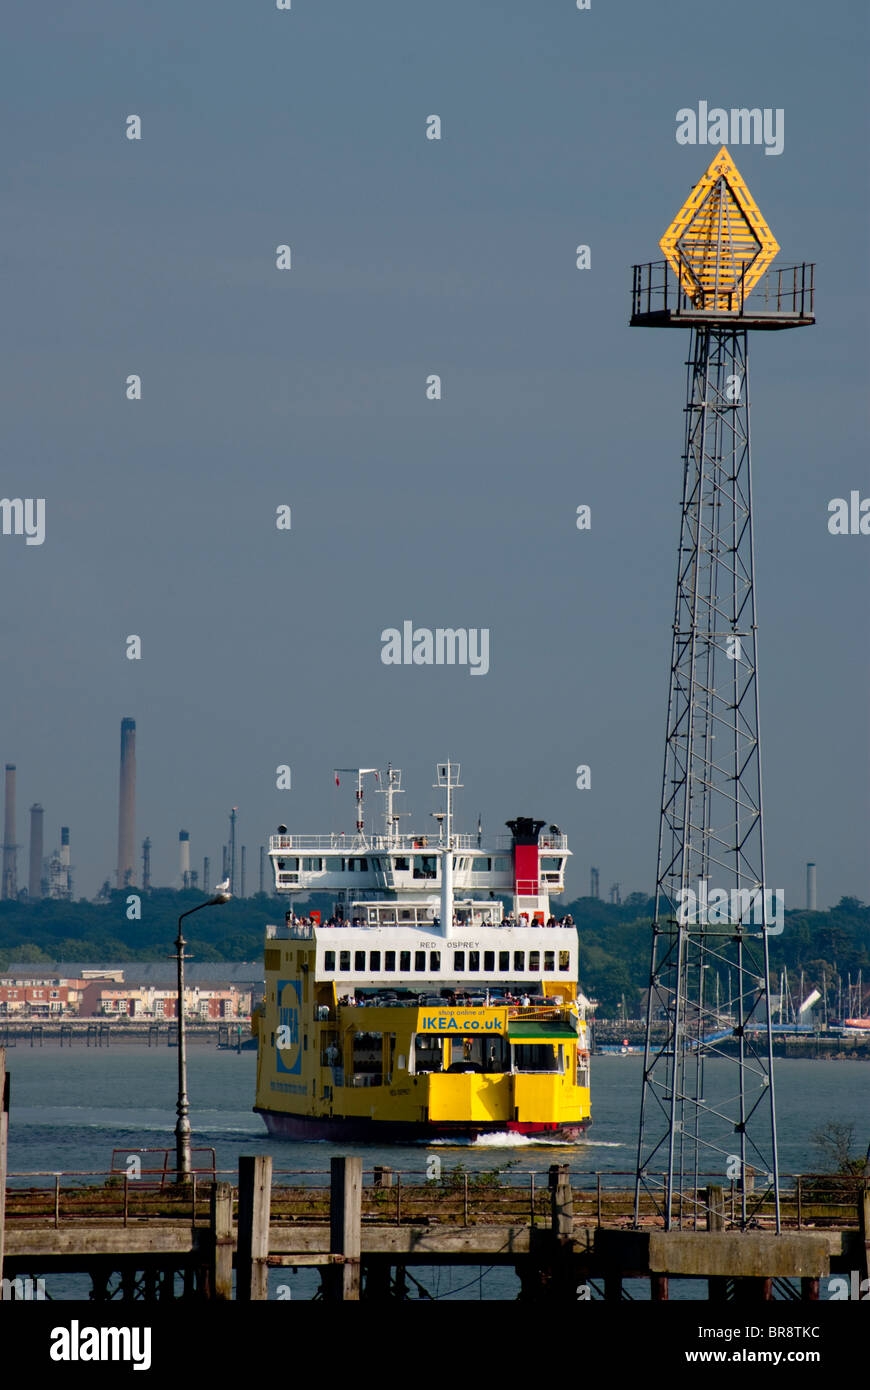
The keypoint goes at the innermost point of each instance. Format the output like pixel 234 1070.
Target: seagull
pixel 223 887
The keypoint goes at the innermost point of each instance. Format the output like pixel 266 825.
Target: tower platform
pixel 782 299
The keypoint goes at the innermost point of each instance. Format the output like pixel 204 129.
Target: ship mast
pixel 359 773
pixel 392 787
pixel 448 777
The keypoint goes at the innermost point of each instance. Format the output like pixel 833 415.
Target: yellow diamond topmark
pixel 719 245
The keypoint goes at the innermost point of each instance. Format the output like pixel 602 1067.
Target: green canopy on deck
pixel 548 1030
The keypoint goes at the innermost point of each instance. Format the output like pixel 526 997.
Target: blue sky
pixel 410 257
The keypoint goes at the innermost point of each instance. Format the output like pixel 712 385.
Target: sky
pixel 306 388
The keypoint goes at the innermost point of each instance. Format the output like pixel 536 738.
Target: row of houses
pixel 129 991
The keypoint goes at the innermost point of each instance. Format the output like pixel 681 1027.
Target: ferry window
pixel 333 866
pixel 458 960
pixel 288 863
pixel 368 1059
pixel 550 865
pixel 374 960
pixel 400 863
pixel 362 865
pixel 549 960
pixel 534 960
pixel 504 960
pixel 312 865
pixel 434 960
pixel 564 960
pixel 359 960
pixel 424 866
pixel 329 960
pixel 429 1053
pixel 344 960
pixel 404 960
pixel 582 1072
pixel 519 960
pixel 389 960
pixel 474 960
pixel 536 1057
pixel 478 1054
pixel 489 960
pixel 480 866
pixel 419 960
pixel 501 865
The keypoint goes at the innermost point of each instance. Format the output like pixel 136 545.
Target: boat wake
pixel 511 1140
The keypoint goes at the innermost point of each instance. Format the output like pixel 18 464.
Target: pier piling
pixel 255 1193
pixel 345 1236
pixel 221 1275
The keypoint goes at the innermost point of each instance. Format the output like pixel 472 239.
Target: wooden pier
pixel 138 1241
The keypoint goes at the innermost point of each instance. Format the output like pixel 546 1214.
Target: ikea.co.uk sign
pixel 462 1021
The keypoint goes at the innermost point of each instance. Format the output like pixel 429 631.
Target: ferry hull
pixel 363 1130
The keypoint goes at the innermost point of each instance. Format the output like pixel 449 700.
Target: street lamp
pixel 182 1108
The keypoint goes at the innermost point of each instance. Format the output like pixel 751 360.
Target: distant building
pixel 100 1000
pixel 140 990
pixel 39 997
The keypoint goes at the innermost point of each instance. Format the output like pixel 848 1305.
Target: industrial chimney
pixel 60 884
pixel 811 887
pixel 34 884
pixel 10 849
pixel 184 852
pixel 127 804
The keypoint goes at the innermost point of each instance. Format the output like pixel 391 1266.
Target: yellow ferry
pixel 423 1009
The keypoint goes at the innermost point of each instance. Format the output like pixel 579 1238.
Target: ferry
pixel 440 999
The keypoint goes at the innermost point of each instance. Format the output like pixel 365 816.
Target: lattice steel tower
pixel 708 999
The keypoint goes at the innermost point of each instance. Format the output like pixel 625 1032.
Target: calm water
pixel 71 1107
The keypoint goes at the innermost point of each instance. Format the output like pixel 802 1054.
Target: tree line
pixel 614 938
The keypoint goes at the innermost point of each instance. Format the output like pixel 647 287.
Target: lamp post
pixel 182 1108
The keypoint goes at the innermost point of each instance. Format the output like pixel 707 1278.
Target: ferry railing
pixel 536 1012
pixel 298 931
pixel 458 1196
pixel 356 845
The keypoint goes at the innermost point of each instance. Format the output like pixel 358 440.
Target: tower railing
pixel 785 293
